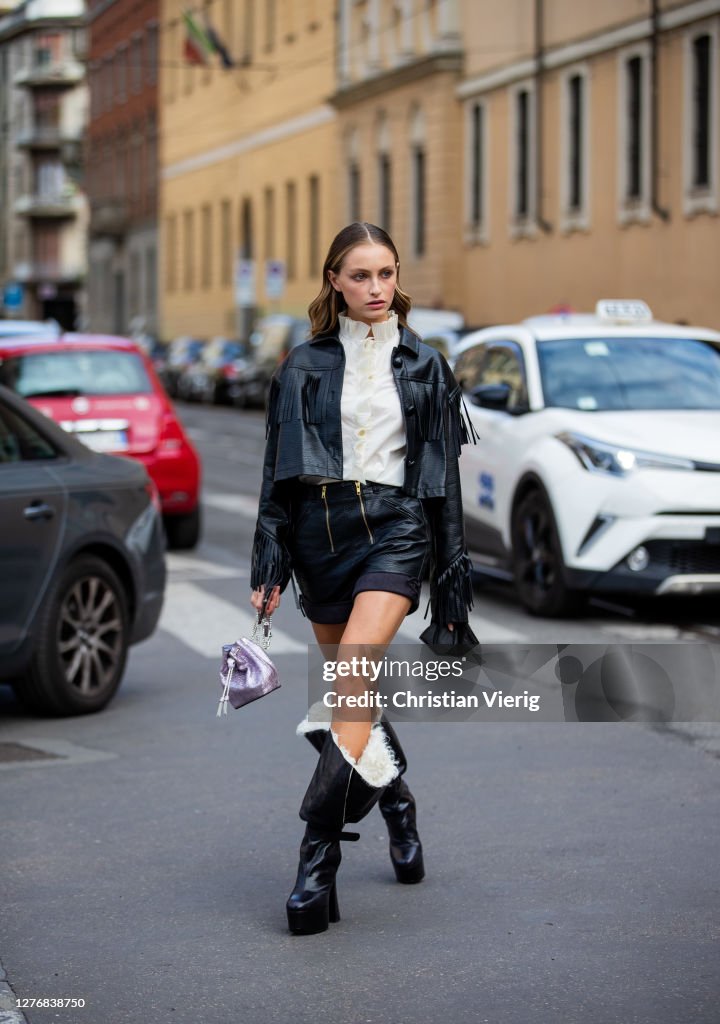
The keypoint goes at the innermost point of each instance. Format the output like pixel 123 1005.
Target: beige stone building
pixel 247 162
pixel 399 135
pixel 591 135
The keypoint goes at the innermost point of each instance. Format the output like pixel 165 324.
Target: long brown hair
pixel 328 304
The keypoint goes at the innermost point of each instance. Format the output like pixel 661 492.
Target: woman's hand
pixel 450 626
pixel 257 598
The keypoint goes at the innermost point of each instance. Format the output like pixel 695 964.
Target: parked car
pixel 270 342
pixel 106 392
pixel 215 376
pixel 82 572
pixel 598 466
pixel 181 353
pixel 20 328
pixel 448 341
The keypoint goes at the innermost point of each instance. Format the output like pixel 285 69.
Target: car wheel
pixel 538 566
pixel 81 642
pixel 183 532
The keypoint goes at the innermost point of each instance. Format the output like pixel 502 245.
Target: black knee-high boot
pixel 397 806
pixel 396 803
pixel 340 791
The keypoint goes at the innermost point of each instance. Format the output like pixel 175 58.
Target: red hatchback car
pixel 105 391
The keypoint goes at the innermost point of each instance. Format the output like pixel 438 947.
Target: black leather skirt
pixel 349 537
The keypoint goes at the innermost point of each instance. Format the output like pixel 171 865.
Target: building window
pixel 151 54
pixel 418 174
pixel 418 191
pixel 701 119
pixel 171 253
pixel 247 242
pixel 247 41
pixel 701 85
pixel 171 49
pixel 314 225
pixel 136 63
pixel 575 141
pixel 270 19
pixel 384 173
pixel 189 250
pixel 121 62
pixel 206 246
pixel 269 211
pixel 476 172
pixel 634 139
pixel 150 284
pixel 226 253
pixel 384 191
pixel 522 149
pixel 574 147
pixel 634 147
pixel 523 160
pixel 291 206
pixel 354 191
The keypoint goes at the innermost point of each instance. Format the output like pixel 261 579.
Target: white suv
pixel 598 465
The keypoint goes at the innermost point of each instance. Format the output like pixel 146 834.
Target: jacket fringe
pixel 270 564
pixel 461 429
pixel 453 592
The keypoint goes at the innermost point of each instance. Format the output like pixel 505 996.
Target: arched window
pixel 418 179
pixel 384 173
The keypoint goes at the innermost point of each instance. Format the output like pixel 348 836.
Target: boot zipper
pixel 327 517
pixel 362 509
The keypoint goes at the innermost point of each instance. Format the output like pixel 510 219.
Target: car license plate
pixel 105 440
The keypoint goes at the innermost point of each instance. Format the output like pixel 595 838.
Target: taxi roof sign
pixel 623 311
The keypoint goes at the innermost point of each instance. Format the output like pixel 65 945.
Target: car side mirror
pixel 491 396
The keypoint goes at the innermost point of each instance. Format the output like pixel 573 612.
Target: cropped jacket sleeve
pixel 271 564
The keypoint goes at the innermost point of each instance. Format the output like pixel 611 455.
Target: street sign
pixel 274 279
pixel 13 296
pixel 244 282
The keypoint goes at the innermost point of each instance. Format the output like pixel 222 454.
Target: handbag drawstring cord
pixel 222 705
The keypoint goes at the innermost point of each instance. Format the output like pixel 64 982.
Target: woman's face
pixel 367 280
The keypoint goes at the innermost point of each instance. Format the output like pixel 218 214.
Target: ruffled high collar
pixel 354 330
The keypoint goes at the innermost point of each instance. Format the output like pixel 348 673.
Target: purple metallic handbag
pixel 246 672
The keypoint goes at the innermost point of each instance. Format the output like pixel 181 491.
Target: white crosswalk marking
pixel 204 622
pixel 241 504
pixel 189 567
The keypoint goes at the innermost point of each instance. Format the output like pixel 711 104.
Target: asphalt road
pixel 147 851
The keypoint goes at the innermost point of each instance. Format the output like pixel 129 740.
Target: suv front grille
pixel 685 557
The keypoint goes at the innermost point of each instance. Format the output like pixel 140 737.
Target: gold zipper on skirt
pixel 362 509
pixel 327 518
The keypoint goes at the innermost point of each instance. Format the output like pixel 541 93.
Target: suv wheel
pixel 81 642
pixel 538 565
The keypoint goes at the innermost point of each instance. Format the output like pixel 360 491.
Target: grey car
pixel 82 569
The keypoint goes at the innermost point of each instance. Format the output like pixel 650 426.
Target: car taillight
pixel 154 495
pixel 171 436
pixel 229 372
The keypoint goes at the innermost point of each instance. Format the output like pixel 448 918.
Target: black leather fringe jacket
pixel 304 437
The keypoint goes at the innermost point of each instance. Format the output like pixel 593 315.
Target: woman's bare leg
pixel 374 620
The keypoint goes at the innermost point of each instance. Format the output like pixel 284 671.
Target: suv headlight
pixel 601 457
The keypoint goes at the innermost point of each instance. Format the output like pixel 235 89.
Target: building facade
pixel 399 135
pixel 590 152
pixel 248 164
pixel 123 166
pixel 43 112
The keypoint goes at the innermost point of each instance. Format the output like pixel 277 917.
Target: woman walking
pixel 360 489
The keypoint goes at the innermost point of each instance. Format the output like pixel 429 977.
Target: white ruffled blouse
pixel 373 428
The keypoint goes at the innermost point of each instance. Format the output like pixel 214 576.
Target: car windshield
pixel 601 374
pixel 70 373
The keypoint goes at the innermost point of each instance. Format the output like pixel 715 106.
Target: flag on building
pixel 201 42
pixel 197 45
pixel 220 49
